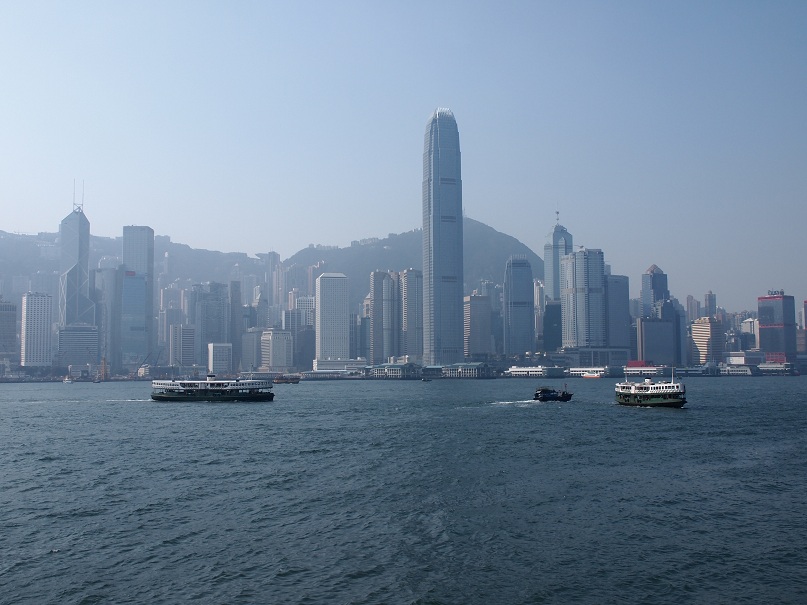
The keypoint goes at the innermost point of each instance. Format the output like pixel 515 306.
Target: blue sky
pixel 672 133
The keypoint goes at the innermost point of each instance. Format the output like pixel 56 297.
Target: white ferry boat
pixel 664 394
pixel 237 389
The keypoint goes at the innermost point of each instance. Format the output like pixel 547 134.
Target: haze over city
pixel 668 134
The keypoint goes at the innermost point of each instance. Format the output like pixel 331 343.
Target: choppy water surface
pixel 404 492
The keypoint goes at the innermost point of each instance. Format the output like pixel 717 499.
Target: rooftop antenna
pixel 557 216
pixel 78 207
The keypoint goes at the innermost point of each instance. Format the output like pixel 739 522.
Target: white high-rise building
pixel 442 242
pixel 332 317
pixel 36 342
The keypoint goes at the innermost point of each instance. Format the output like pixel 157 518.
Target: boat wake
pixel 523 403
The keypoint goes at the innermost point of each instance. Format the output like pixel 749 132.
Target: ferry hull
pixel 650 402
pixel 214 397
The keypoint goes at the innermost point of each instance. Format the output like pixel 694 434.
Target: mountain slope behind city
pixel 485 250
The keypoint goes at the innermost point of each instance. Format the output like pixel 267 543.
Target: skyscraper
pixel 411 286
pixel 332 317
pixel 559 246
pixel 182 345
pixel 75 306
pixel 519 307
pixel 107 296
pixel 8 330
pixel 710 304
pixel 478 340
pixel 654 289
pixel 707 342
pixel 777 326
pixel 35 335
pixel 383 314
pixel 236 321
pixel 617 314
pixel 137 330
pixel 442 242
pixel 583 299
pixel 210 314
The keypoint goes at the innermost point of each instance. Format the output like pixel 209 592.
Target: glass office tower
pixel 442 242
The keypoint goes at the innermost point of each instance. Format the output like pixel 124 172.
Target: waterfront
pixel 453 491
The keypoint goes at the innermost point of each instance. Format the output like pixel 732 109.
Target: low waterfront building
pixel 536 372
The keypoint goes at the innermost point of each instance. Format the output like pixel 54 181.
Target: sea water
pixel 451 491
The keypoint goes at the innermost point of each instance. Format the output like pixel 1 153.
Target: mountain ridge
pixel 485 253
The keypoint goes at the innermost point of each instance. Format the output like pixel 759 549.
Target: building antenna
pixel 78 207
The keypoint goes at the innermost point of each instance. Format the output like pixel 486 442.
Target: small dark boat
pixel 550 394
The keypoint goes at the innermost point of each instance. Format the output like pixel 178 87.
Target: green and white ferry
pixel 651 394
pixel 237 389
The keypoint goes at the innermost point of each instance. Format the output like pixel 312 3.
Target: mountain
pixel 486 252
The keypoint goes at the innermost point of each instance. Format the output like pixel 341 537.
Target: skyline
pixel 672 135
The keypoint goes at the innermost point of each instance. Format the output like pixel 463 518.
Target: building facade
pixel 36 342
pixel 518 307
pixel 220 357
pixel 708 341
pixel 332 335
pixel 777 326
pixel 559 245
pixel 8 330
pixel 442 242
pixel 75 305
pixel 478 339
pixel 411 288
pixel 383 305
pixel 617 311
pixel 583 299
pixel 277 350
pixel 182 345
pixel 654 289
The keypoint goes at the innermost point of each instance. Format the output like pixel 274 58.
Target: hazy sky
pixel 672 133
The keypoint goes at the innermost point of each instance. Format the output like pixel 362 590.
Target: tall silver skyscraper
pixel 442 242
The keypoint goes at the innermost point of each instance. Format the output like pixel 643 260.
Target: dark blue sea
pixel 454 491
